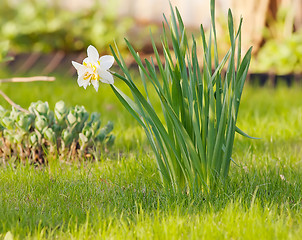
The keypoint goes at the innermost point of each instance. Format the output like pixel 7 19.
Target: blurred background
pixel 44 35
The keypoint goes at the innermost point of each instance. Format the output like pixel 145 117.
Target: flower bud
pixel 32 107
pixel 41 123
pixel 33 139
pixel 72 117
pixel 88 132
pixel 14 114
pixel 60 110
pixel 108 128
pixel 95 125
pixel 42 108
pixel 8 123
pixel 101 136
pixel 9 135
pixel 83 139
pixel 82 114
pixel 77 118
pixel 95 121
pixel 57 128
pixel 3 113
pixel 39 108
pixel 95 116
pixel 50 135
pixel 17 136
pixel 51 118
pixel 67 136
pixel 110 140
pixel 24 121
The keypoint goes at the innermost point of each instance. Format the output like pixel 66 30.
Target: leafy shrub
pixel 281 56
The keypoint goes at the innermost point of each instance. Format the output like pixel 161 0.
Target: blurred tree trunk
pixel 298 16
pixel 254 14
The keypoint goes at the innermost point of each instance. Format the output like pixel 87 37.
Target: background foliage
pixel 34 25
pixel 281 52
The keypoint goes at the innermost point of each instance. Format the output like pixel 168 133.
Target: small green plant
pixel 69 132
pixel 193 141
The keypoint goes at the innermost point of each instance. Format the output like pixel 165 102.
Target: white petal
pixel 86 60
pixel 92 53
pixel 95 83
pixel 76 65
pixel 82 82
pixel 79 67
pixel 106 77
pixel 106 62
pixel 89 62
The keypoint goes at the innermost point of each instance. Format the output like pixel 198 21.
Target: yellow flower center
pixel 94 75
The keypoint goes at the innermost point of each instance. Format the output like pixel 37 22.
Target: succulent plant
pixel 7 123
pixel 50 135
pixel 67 136
pixel 71 131
pixel 39 108
pixel 41 123
pixel 33 139
pixel 25 121
pixel 60 111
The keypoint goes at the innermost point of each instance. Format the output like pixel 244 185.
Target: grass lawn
pixel 120 196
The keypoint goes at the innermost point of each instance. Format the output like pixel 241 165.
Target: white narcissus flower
pixel 94 69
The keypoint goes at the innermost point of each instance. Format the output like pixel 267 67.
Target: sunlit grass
pixel 120 197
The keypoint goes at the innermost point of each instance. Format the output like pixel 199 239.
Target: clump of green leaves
pixel 68 132
pixel 193 142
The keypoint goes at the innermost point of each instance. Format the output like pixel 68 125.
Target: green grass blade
pixel 142 75
pixel 174 24
pixel 239 45
pixel 161 70
pixel 129 104
pixel 214 32
pixel 231 28
pixel 204 42
pixel 238 130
